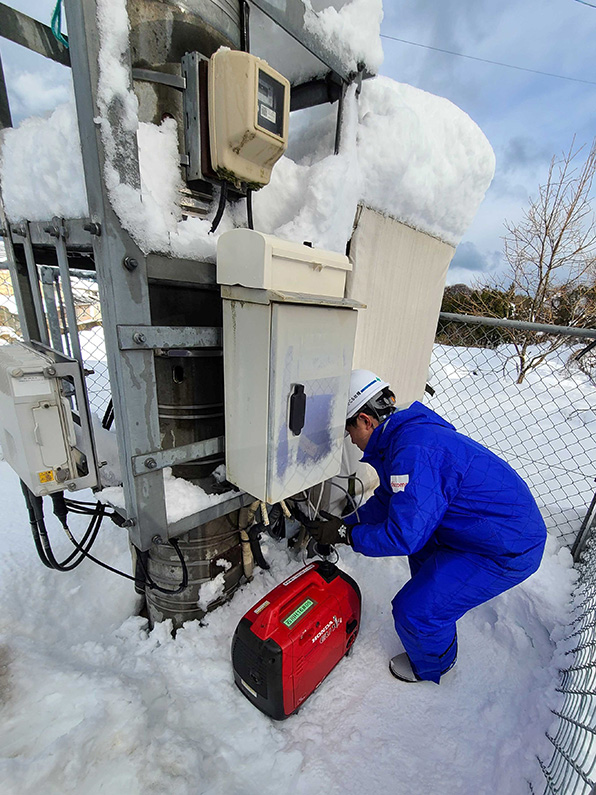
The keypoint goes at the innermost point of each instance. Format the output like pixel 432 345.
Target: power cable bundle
pixel 97 512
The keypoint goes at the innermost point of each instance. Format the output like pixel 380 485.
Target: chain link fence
pixel 10 328
pixel 571 770
pixel 89 324
pixel 542 423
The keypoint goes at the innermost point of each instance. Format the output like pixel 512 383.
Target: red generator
pixel 291 639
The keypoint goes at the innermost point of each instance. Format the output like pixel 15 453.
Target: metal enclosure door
pixel 311 346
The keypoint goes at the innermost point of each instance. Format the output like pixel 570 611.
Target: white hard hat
pixel 364 385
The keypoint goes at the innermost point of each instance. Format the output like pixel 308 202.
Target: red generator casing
pixel 291 639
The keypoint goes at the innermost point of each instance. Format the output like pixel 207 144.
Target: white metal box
pixel 249 109
pixel 37 432
pixel 253 259
pixel 275 350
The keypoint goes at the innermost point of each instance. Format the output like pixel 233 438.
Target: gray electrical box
pixel 40 438
pixel 287 364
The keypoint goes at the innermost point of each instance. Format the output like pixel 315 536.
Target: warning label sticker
pixel 46 477
pixel 298 574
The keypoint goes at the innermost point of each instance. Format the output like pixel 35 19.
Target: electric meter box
pixel 287 365
pixel 37 431
pixel 253 259
pixel 249 108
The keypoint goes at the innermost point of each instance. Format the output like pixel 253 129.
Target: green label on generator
pixel 298 612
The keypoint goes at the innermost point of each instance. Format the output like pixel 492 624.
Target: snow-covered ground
pixel 94 703
pixel 545 427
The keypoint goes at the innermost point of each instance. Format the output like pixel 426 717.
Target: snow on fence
pixel 543 426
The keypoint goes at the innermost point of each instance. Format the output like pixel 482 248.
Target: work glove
pixel 329 531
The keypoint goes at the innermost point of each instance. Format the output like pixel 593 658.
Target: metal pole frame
pixel 34 286
pixel 123 290
pixel 71 313
pixel 522 325
pixel 48 286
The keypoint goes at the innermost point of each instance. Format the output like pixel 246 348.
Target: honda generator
pixel 291 639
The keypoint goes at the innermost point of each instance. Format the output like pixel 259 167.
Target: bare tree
pixel 551 259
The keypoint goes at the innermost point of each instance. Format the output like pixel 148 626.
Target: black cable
pixel 249 215
pixel 254 535
pixel 67 565
pixel 46 554
pixel 148 581
pixel 245 26
pixel 85 552
pixel 33 523
pixel 41 538
pixel 587 349
pixel 87 508
pixel 108 417
pixel 223 197
pixel 486 60
pixel 584 3
pixel 153 585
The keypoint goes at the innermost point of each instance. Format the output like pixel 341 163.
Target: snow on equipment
pixel 291 639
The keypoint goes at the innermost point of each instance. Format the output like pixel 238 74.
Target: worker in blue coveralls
pixel 467 522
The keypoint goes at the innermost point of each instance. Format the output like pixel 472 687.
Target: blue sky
pixel 528 118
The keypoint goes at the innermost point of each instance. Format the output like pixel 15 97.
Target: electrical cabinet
pixel 288 346
pixel 287 369
pixel 38 434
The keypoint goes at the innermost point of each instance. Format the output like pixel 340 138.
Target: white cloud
pixel 35 93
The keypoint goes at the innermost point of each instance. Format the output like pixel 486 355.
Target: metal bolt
pixel 93 228
pixel 139 338
pixel 71 486
pixel 20 231
pixel 150 463
pixel 157 540
pixel 130 263
pixel 53 231
pixel 129 523
pixel 50 371
pixel 16 373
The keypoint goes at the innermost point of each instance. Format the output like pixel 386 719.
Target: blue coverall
pixel 466 520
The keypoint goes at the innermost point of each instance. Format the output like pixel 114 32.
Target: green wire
pixel 56 24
